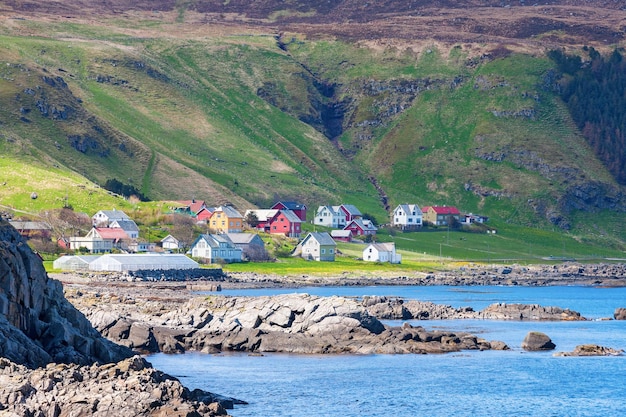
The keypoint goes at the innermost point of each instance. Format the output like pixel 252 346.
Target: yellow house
pixel 226 219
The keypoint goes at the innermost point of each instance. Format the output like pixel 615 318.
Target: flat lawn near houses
pixel 509 244
pixel 344 266
pixel 444 249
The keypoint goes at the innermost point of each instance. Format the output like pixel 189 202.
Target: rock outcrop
pixel 127 388
pixel 38 325
pixel 620 313
pixel 592 350
pixel 396 308
pixel 537 341
pixel 294 323
pixel 54 363
pixel 502 311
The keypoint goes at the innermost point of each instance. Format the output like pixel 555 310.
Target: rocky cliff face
pixel 37 324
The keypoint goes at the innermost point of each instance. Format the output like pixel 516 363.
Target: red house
pixel 297 208
pixel 204 214
pixel 360 227
pixel 285 222
pixel 351 212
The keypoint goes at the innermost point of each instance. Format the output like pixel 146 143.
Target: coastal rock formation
pixel 294 323
pixel 395 308
pixel 592 350
pixel 502 311
pixel 536 341
pixel 620 313
pixel 567 273
pixel 54 363
pixel 127 388
pixel 37 324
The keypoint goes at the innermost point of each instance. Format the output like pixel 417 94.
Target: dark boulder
pixel 620 313
pixel 537 341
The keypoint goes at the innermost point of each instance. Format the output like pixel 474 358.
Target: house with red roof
pixel 190 207
pixel 101 239
pixel 441 215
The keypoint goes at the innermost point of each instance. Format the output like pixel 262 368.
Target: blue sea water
pixel 469 383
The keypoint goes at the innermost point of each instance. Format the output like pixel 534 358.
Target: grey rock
pixel 43 325
pixel 537 341
pixel 620 313
pixel 592 350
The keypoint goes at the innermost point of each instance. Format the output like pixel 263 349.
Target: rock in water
pixel 37 324
pixel 536 341
pixel 620 313
pixel 592 350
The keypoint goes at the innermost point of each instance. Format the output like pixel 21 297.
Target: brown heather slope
pixel 559 22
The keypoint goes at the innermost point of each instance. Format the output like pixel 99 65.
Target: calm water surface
pixel 511 383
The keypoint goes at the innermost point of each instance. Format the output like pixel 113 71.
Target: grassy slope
pixel 188 110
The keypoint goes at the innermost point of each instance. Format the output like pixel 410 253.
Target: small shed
pixel 341 235
pixel 137 262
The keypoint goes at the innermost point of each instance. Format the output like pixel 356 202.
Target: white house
pixel 215 247
pixel 169 242
pixel 317 247
pixel 329 217
pixel 407 216
pixel 101 239
pixel 129 226
pixel 382 252
pixel 106 217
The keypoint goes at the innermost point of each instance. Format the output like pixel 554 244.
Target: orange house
pixel 226 219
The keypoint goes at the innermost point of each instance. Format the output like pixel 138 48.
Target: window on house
pixel 410 220
pixel 323 251
pixel 330 250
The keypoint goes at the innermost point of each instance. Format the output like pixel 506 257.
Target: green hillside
pixel 250 117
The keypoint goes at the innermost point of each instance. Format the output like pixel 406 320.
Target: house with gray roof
pixel 214 248
pixel 104 218
pixel 317 246
pixel 407 217
pixel 382 252
pixel 129 226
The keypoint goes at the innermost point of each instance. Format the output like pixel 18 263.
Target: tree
pixel 183 228
pixel 251 219
pixel 65 223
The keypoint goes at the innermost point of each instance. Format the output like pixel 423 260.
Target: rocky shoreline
pixel 569 273
pixel 55 360
pixel 54 363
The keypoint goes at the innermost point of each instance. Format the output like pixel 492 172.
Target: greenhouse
pixel 137 262
pixel 74 262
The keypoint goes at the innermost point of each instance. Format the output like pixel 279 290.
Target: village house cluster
pixel 114 230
